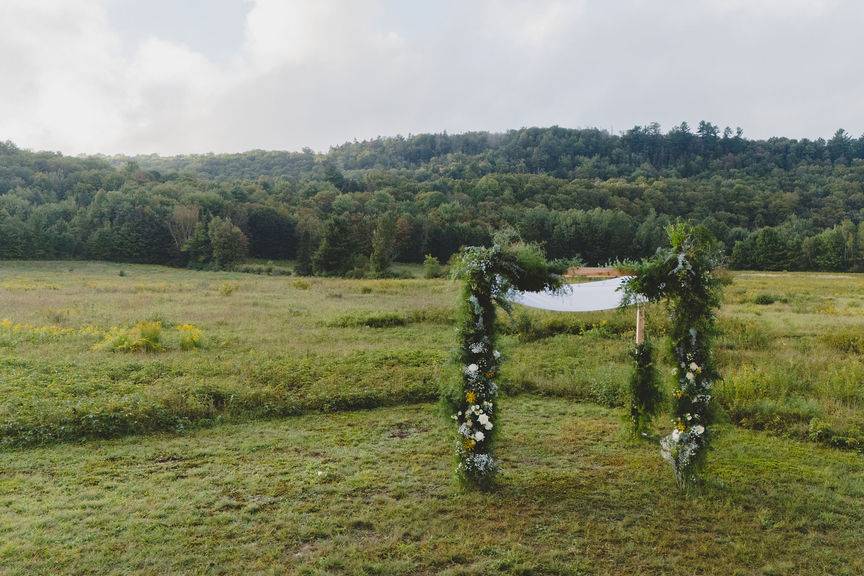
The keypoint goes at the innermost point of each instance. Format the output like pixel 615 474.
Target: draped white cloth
pixel 584 297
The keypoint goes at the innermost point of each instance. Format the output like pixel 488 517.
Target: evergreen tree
pixel 335 255
pixel 228 242
pixel 305 250
pixel 197 248
pixel 382 246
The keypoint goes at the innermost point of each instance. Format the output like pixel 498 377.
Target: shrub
pixel 143 337
pixel 190 336
pixel 300 284
pixel 268 270
pixel 767 299
pixel 431 267
pixel 227 288
pixel 433 315
pixel 373 320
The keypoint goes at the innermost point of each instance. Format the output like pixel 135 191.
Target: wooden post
pixel 640 325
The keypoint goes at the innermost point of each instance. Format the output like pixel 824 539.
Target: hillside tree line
pixel 775 204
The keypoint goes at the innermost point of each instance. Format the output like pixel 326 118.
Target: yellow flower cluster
pixel 470 397
pixel 190 336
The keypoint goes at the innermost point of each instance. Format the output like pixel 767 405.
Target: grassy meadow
pixel 176 460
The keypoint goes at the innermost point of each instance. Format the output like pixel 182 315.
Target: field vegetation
pixel 87 353
pixel 192 369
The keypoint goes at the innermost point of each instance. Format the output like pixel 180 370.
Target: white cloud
pixel 320 72
pixel 59 80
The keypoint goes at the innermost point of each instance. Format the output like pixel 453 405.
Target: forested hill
pixel 559 152
pixel 775 204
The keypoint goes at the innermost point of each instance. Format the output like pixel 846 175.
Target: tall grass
pixel 101 367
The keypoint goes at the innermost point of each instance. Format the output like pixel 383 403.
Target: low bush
pixel 369 320
pixel 263 270
pixel 764 299
pixel 190 336
pixel 144 336
pixel 445 316
pixel 432 267
pixel 430 315
pixel 227 288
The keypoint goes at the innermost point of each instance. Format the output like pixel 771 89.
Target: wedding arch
pixel 680 276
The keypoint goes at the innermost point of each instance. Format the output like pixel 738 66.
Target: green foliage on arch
pixel 646 396
pixel 489 275
pixel 683 276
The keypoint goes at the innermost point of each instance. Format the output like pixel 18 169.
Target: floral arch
pixel 681 276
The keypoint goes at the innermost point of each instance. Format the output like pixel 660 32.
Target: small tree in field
pixel 431 267
pixel 228 242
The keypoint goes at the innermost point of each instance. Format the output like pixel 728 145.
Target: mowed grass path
pixel 371 492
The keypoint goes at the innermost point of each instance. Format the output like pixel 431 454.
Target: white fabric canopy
pixel 585 297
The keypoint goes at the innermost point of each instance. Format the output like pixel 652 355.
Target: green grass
pixel 338 490
pixel 268 348
pixel 285 345
pixel 372 492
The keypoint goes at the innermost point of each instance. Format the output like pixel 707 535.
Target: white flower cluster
pixel 680 447
pixel 690 371
pixel 475 304
pixel 476 419
pixel 683 264
pixel 480 464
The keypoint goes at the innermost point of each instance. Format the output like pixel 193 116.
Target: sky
pixel 193 76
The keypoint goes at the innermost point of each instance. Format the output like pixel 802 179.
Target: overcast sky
pixel 174 76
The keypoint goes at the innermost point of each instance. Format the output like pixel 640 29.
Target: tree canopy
pixel 777 203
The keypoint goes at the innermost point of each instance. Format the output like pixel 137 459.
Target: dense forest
pixel 778 204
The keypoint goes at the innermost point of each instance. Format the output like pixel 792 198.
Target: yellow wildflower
pixel 470 397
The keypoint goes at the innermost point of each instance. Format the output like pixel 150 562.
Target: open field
pixel 370 491
pixel 286 345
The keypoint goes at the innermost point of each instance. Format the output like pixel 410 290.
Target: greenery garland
pixel 488 275
pixel 646 396
pixel 683 276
